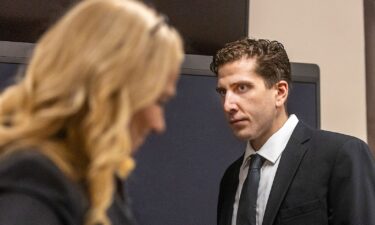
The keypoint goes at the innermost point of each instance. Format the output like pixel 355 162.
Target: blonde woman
pixel 94 89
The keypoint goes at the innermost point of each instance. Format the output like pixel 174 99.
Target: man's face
pixel 250 107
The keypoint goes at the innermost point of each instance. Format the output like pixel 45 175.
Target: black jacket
pixel 33 191
pixel 323 178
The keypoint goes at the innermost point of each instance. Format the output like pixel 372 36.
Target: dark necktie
pixel 246 214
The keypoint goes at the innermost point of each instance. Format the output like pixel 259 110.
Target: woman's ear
pixel 282 89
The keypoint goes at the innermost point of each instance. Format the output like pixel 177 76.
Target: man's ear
pixel 282 90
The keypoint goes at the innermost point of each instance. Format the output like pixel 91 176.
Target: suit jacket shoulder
pixel 324 177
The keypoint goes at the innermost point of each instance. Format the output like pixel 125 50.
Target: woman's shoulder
pixel 35 175
pixel 31 169
pixel 26 161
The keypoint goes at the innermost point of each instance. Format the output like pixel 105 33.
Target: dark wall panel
pixel 8 73
pixel 177 178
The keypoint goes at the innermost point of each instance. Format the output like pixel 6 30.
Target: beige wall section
pixel 330 34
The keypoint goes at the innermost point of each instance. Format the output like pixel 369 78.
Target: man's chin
pixel 242 136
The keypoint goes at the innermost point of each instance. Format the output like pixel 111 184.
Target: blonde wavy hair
pixel 89 74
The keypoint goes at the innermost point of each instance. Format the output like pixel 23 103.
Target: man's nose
pixel 230 104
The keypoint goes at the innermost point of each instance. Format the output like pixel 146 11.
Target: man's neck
pixel 279 122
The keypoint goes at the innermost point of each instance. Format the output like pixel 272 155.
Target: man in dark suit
pixel 290 174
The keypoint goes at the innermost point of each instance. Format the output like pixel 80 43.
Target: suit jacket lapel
pixel 289 163
pixel 231 193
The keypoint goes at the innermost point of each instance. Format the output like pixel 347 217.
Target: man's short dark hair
pixel 271 58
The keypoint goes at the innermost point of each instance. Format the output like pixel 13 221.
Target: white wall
pixel 330 34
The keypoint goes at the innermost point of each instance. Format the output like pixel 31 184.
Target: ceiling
pixel 26 20
pixel 224 21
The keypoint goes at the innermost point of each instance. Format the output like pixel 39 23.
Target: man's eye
pixel 242 88
pixel 221 91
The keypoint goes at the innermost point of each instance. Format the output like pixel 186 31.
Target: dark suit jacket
pixel 323 178
pixel 33 191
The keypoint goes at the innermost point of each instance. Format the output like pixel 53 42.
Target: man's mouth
pixel 236 121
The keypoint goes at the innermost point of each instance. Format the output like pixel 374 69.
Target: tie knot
pixel 256 161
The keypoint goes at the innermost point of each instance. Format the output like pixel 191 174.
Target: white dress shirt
pixel 271 151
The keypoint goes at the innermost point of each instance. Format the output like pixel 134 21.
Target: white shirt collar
pixel 275 145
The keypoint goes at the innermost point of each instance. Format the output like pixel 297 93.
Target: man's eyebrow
pixel 236 83
pixel 242 82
